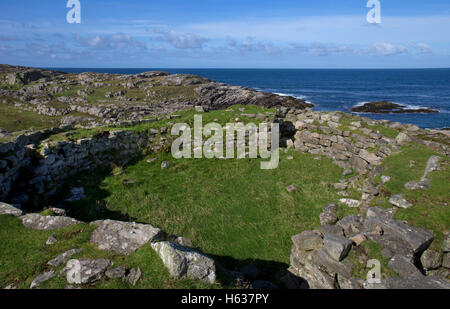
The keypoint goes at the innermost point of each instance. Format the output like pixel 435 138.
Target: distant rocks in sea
pixel 385 107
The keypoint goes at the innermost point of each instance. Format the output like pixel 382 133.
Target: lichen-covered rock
pixel 6 209
pixel 85 271
pixel 124 237
pixel 431 259
pixel 38 222
pixel 116 273
pixel 329 214
pixel 41 279
pixel 307 240
pixel 403 266
pixel 185 262
pixel 134 276
pixel 399 201
pixel 63 257
pixel 337 246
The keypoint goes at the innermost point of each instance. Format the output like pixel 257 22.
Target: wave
pixel 300 97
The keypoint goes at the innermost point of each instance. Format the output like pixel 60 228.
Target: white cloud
pixel 421 48
pixel 387 49
pixel 181 40
pixel 113 41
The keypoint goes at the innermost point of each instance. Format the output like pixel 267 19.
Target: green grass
pixel 231 209
pixel 13 119
pixel 430 210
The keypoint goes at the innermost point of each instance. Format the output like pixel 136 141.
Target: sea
pixel 335 89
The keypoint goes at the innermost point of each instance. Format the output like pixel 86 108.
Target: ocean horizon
pixel 336 89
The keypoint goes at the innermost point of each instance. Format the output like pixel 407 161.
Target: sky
pixel 226 34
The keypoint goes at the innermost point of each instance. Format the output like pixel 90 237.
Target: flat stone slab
pixel 41 279
pixel 124 237
pixel 6 209
pixel 85 271
pixel 307 240
pixel 399 201
pixel 184 262
pixel 337 246
pixel 63 257
pixel 38 222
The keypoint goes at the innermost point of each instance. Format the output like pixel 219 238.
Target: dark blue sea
pixel 340 90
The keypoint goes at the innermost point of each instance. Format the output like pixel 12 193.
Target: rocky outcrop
pixel 38 222
pixel 384 107
pixel 184 262
pixel 85 271
pixel 123 237
pixel 6 209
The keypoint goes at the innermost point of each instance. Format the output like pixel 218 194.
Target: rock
pixel 264 285
pixel 402 138
pixel 340 186
pixel 431 259
pixel 116 273
pixel 165 164
pixel 134 276
pixel 185 262
pixel 313 276
pixel 291 188
pixel 6 209
pixel 351 224
pixel 396 234
pixel 403 266
pixel 292 282
pixel 329 214
pixel 399 201
pixel 370 157
pixel 58 211
pixel 423 184
pixel 85 271
pixel 385 179
pixel 42 278
pixel 38 222
pixel 51 240
pixel 384 107
pixel 331 229
pixel 446 243
pixel 337 246
pixel 359 165
pixel 182 241
pixel 446 260
pixel 62 258
pixel 307 240
pixel 124 237
pixel 350 202
pixel 199 109
pixel 410 283
pixel 432 165
pixel 358 239
pixel 251 271
pixel 150 160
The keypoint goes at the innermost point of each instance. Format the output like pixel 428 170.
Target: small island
pixel 385 107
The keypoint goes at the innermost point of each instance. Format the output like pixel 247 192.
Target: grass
pixel 430 210
pixel 231 209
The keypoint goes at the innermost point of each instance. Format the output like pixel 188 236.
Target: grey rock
pixel 431 259
pixel 351 224
pixel 183 241
pixel 6 209
pixel 385 179
pixel 165 164
pixel 185 262
pixel 331 229
pixel 42 278
pixel 38 222
pixel 350 202
pixel 446 244
pixel 337 246
pixel 403 266
pixel 410 283
pixel 307 240
pixel 329 214
pixel 446 260
pixel 63 257
pixel 51 240
pixel 409 238
pixel 399 201
pixel 116 273
pixel 134 276
pixel 124 237
pixel 432 165
pixel 423 184
pixel 402 138
pixel 85 271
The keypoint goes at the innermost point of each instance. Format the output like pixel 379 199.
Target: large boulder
pixel 124 237
pixel 337 246
pixel 6 209
pixel 431 259
pixel 38 222
pixel 85 271
pixel 184 262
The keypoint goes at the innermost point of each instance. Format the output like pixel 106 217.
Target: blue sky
pixel 226 34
